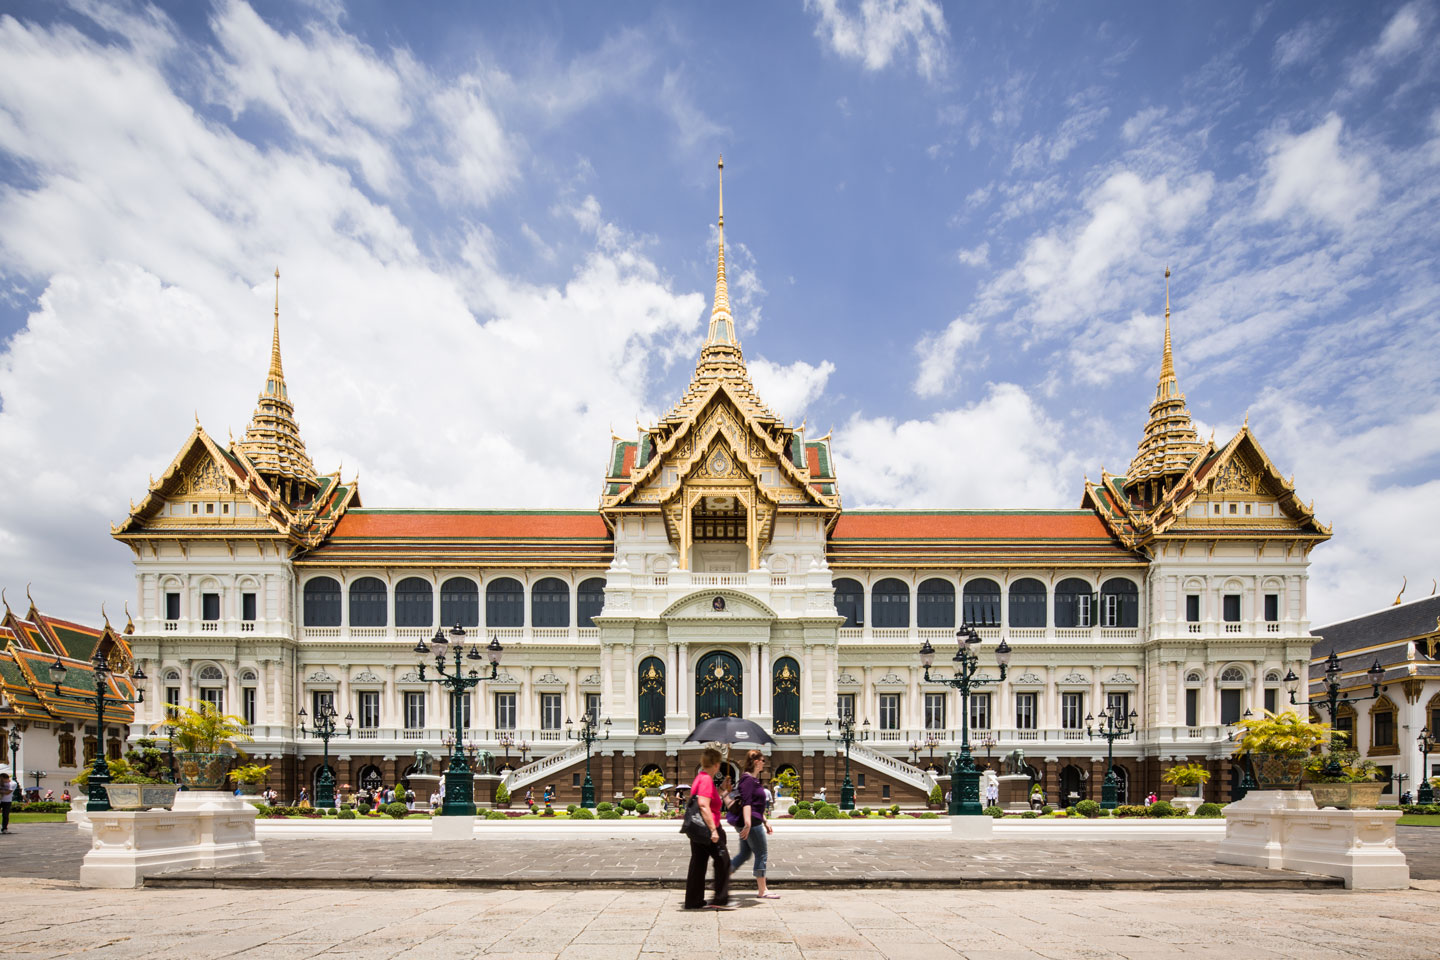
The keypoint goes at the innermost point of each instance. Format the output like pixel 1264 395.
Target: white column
pixel 686 684
pixel 755 684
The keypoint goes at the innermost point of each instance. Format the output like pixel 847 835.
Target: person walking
pixel 6 794
pixel 749 818
pixel 304 800
pixel 702 853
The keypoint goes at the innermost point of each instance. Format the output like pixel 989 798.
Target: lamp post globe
pixel 1425 793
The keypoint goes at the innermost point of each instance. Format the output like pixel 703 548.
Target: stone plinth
pixel 206 829
pixel 451 828
pixel 1191 804
pixel 1015 792
pixel 1283 830
pixel 973 828
pixel 78 815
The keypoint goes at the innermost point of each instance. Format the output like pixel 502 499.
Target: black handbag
pixel 692 822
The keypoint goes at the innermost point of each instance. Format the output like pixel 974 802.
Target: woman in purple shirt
pixel 749 819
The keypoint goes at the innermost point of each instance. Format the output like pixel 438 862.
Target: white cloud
pixel 939 355
pixel 1001 451
pixel 976 256
pixel 415 369
pixel 1300 45
pixel 1310 173
pixel 882 30
pixel 789 389
pixel 1141 122
pixel 1401 34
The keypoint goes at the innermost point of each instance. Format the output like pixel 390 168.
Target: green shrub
pixel 929 815
pixel 42 806
pixel 628 805
pixel 1047 810
pixel 1130 810
pixel 572 808
pixel 580 813
pixel 604 806
pixel 803 813
pixel 827 812
pixel 611 814
pixel 495 815
pixel 642 808
pixel 261 809
pixel 534 808
pixel 1104 812
pixel 397 810
pixel 865 810
pixel 1088 808
pixel 1029 815
pixel 502 794
pixel 346 814
pixel 803 805
pixel 895 808
pixel 936 796
pixel 995 811
pixel 1209 810
pixel 857 814
pixel 1164 808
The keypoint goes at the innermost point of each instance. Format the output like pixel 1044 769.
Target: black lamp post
pixel 15 748
pixel 964 775
pixel 1399 779
pixel 325 727
pixel 847 736
pixel 1331 699
pixel 102 671
pixel 587 735
pixel 170 750
pixel 1425 794
pixel 1247 780
pixel 459 782
pixel 1115 725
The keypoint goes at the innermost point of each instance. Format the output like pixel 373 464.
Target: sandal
pixel 768 896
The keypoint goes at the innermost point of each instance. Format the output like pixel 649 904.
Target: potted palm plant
pixel 1339 778
pixel 204 741
pixel 249 777
pixel 651 782
pixel 1278 746
pixel 131 789
pixel 1187 778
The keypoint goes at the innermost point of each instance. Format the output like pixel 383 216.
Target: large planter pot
pixel 141 796
pixel 1187 790
pixel 1347 796
pixel 203 771
pixel 250 789
pixel 1277 772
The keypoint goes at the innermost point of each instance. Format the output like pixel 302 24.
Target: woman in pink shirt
pixel 713 850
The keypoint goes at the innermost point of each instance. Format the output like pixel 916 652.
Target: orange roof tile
pixel 426 524
pixel 962 525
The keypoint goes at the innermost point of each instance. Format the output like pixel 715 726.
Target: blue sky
pixel 495 226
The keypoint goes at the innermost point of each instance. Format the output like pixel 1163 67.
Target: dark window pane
pixel 935 604
pixel 1230 705
pixel 1272 607
pixel 589 601
pixel 459 602
pixel 414 603
pixel 1192 708
pixel 785 676
pixel 652 696
pixel 890 604
pixel 322 602
pixel 504 603
pixel 172 606
pixel 247 606
pixel 1027 603
pixel 1232 607
pixel 1119 603
pixel 1073 599
pixel 982 603
pixel 210 606
pixel 1192 608
pixel 1270 699
pixel 368 602
pixel 550 603
pixel 850 602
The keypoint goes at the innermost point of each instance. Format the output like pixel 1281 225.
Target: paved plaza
pixel 49 919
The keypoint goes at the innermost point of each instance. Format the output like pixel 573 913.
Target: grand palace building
pixel 720 573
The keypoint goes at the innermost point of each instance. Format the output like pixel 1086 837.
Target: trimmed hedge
pixel 1210 810
pixel 1164 808
pixel 581 813
pixel 995 811
pixel 346 814
pixel 1088 808
pixel 397 810
pixel 611 814
pixel 803 813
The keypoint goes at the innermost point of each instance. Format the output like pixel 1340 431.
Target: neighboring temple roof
pixel 1416 620
pixel 30 644
pixel 466 538
pixel 988 538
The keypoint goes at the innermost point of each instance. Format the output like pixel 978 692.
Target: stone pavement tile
pixel 917 951
pixel 591 951
pixel 826 953
pixel 441 948
pixel 615 935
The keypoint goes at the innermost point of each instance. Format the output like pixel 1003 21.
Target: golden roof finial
pixel 3 600
pixel 1404 582
pixel 722 325
pixel 129 620
pixel 277 372
pixel 1167 362
pixel 104 616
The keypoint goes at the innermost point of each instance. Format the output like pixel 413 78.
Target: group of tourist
pixel 743 806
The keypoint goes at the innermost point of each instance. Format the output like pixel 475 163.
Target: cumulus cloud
pixel 882 30
pixel 976 256
pixel 416 369
pixel 940 354
pixel 789 389
pixel 1000 451
pixel 1312 175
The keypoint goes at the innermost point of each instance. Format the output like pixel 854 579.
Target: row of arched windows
pixel 459 602
pixel 719 691
pixel 1076 603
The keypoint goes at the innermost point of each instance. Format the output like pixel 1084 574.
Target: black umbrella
pixel 729 730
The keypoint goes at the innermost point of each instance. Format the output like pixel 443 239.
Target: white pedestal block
pixel 782 806
pixel 973 828
pixel 1191 804
pixel 1282 830
pixel 212 830
pixel 452 828
pixel 78 815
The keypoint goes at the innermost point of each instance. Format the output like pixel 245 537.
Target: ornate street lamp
pixel 325 727
pixel 459 782
pixel 102 671
pixel 847 736
pixel 1114 725
pixel 41 775
pixel 588 736
pixel 1247 781
pixel 1426 794
pixel 964 776
pixel 1399 779
pixel 1331 699
pixel 170 749
pixel 15 746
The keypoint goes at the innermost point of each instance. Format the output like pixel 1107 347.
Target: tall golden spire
pixel 722 324
pixel 1170 441
pixel 272 440
pixel 277 372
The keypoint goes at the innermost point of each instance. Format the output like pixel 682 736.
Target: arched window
pixel 786 706
pixel 504 603
pixel 414 603
pixel 550 603
pixel 367 603
pixel 1193 677
pixel 209 672
pixel 850 602
pixel 719 686
pixel 322 602
pixel 652 695
pixel 1073 601
pixel 1119 603
pixel 1232 675
pixel 935 603
pixel 1382 725
pixel 1027 603
pixel 982 603
pixel 459 602
pixel 589 601
pixel 890 603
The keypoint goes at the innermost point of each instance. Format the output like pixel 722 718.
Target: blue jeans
pixel 755 842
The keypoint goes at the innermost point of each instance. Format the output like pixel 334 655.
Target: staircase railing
pixel 535 770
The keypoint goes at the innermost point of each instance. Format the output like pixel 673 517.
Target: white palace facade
pixel 719 574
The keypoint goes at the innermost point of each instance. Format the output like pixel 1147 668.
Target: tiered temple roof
pixel 30 644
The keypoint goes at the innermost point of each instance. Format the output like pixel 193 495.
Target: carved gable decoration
pixel 847 680
pixel 1028 677
pixel 549 680
pixel 723 604
pixel 409 676
pixel 205 477
pixel 1121 677
pixel 1074 676
pixel 366 676
pixel 320 676
pixel 890 680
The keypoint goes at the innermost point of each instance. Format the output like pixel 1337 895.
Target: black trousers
pixel 701 855
pixel 5 821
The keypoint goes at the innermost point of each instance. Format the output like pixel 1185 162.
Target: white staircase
pixel 922 780
pixel 536 770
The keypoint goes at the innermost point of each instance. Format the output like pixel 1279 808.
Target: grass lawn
pixel 1420 820
pixel 60 818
